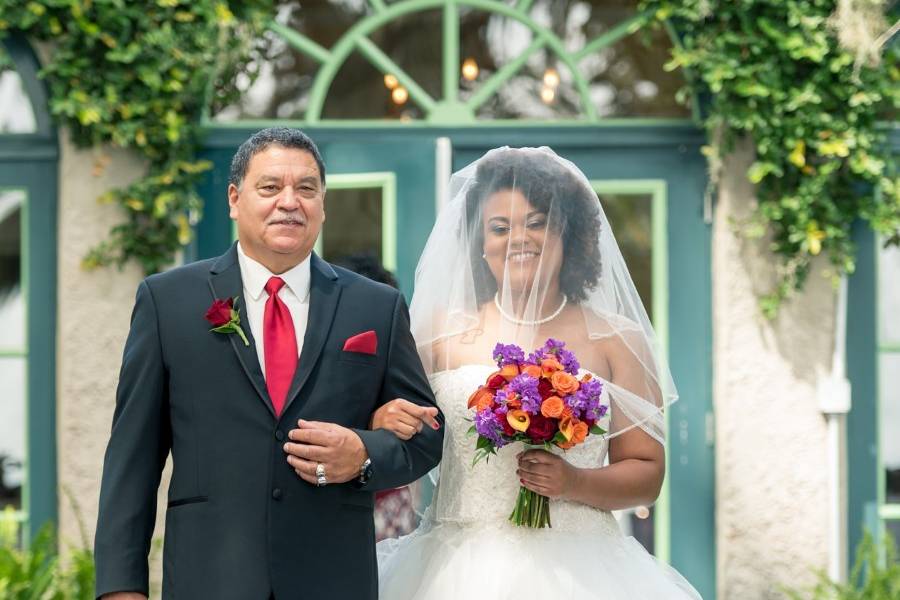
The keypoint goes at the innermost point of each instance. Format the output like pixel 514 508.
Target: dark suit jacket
pixel 240 523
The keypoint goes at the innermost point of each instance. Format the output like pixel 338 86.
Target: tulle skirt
pixel 449 561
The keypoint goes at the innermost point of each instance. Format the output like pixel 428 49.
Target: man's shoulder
pixel 191 273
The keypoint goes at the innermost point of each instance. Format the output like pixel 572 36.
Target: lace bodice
pixel 486 493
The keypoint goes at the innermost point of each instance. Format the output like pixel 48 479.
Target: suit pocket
pixel 183 501
pixel 358 358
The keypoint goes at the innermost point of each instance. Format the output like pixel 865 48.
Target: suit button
pixel 276 493
pixel 279 435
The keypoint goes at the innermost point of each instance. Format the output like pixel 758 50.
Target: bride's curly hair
pixel 552 188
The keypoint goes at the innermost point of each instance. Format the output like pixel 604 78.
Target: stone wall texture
pixel 771 478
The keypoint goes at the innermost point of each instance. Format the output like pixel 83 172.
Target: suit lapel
pixel 324 292
pixel 225 282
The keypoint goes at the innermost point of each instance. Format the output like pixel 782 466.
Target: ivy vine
pixel 811 84
pixel 137 75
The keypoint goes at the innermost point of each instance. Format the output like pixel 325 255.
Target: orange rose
pixel 579 432
pixel 549 366
pixel 509 371
pixel 533 370
pixel 564 383
pixel 481 399
pixel 552 407
pixel 518 420
pixel 567 413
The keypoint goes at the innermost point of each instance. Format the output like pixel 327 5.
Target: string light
pixel 399 95
pixel 548 94
pixel 642 512
pixel 551 78
pixel 470 69
pixel 390 81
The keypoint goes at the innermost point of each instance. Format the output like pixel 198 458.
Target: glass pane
pixel 16 112
pixel 889 421
pixel 889 295
pixel 284 76
pixel 893 529
pixel 12 431
pixel 630 218
pixel 352 224
pixel 12 304
pixel 625 80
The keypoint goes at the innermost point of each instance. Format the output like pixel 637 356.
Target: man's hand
pixel 404 418
pixel 337 448
pixel 123 596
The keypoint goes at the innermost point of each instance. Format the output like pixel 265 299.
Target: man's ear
pixel 232 200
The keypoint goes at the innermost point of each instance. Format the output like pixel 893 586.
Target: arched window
pixel 459 61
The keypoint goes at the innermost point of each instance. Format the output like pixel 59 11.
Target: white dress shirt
pixel 295 295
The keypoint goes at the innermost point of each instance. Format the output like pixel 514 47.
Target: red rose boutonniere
pixel 226 318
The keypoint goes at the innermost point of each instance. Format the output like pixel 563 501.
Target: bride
pixel 522 253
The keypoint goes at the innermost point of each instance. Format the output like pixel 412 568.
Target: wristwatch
pixel 365 472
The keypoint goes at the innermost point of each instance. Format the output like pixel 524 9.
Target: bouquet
pixel 538 400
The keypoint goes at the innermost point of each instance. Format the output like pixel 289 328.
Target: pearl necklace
pixel 530 323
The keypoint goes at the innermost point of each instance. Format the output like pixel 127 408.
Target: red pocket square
pixel 365 343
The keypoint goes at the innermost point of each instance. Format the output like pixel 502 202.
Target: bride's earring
pixel 484 256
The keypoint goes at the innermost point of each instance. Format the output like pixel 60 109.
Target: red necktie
pixel 279 345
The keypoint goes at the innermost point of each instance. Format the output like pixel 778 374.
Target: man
pixel 265 414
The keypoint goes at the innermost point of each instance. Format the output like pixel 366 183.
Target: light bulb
pixel 390 81
pixel 551 78
pixel 547 94
pixel 642 512
pixel 399 95
pixel 470 69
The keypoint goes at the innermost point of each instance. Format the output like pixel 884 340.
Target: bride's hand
pixel 404 418
pixel 545 473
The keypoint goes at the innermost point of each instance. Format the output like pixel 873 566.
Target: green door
pixel 28 187
pixel 382 195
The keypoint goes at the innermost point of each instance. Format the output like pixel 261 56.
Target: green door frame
pixel 667 151
pixel 865 477
pixel 29 162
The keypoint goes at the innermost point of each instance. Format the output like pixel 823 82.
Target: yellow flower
pixel 814 237
pixel 518 420
pixel 798 156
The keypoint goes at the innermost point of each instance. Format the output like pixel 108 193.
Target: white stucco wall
pixel 94 310
pixel 771 479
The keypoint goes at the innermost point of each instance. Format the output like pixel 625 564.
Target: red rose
pixel 545 388
pixel 220 312
pixel 495 382
pixel 541 429
pixel 507 428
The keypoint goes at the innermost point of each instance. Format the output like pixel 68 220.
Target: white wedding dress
pixel 467 549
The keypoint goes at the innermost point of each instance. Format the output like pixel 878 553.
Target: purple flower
pixel 501 398
pixel 526 387
pixel 507 354
pixel 569 362
pixel 487 426
pixel 588 400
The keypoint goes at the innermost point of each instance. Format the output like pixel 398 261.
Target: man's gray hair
pixel 272 136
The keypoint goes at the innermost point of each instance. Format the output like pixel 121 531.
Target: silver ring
pixel 321 480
